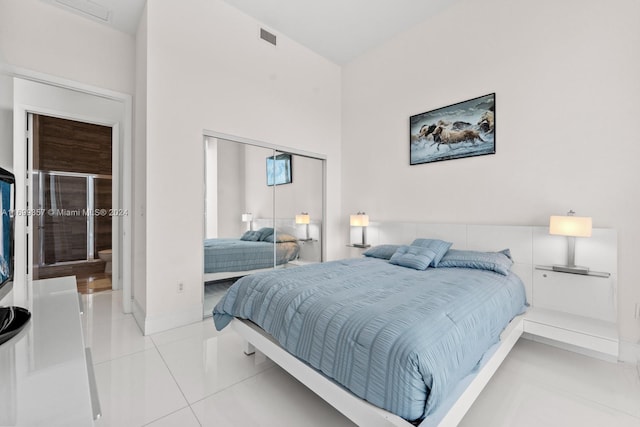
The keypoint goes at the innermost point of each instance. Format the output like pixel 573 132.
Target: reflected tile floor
pixel 197 376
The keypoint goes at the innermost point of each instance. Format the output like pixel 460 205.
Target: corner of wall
pixel 630 353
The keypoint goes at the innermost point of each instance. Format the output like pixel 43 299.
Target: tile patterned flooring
pixel 197 376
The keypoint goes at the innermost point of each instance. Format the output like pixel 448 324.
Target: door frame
pixel 121 173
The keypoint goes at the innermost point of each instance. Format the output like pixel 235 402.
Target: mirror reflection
pixel 263 210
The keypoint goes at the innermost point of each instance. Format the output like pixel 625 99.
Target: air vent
pixel 267 36
pixel 87 7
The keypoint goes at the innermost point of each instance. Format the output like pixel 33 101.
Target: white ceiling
pixel 339 30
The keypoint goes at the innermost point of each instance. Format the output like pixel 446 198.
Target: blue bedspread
pixel 396 337
pixel 240 255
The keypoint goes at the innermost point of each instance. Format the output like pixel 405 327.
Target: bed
pixel 254 251
pixel 406 340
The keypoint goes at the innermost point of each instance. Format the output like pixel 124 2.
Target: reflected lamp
pixel 570 226
pixel 305 219
pixel 360 220
pixel 248 217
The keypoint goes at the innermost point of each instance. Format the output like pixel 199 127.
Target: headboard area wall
pixel 289 226
pixel 531 246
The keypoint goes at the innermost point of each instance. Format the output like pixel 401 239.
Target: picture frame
pixel 464 129
pixel 279 170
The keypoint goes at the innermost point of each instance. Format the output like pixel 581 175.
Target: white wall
pixel 6 122
pixel 566 80
pixel 230 187
pixel 211 188
pixel 207 69
pixel 40 37
pixel 258 196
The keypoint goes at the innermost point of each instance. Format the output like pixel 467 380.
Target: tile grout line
pixel 169 414
pixel 565 391
pixel 214 393
pixel 173 377
pixel 195 415
pixel 235 384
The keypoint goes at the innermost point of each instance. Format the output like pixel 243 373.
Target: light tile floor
pixel 196 376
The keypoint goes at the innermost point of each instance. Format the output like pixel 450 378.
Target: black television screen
pixel 7 203
pixel 279 169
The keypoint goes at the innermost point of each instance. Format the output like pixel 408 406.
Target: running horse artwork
pixel 460 130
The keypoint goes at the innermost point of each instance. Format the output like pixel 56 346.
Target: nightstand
pixel 356 251
pixel 575 309
pixel 310 252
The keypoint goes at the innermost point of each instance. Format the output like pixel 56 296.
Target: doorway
pixel 72 193
pixel 51 96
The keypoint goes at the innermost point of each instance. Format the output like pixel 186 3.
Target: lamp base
pixel 574 269
pixel 360 245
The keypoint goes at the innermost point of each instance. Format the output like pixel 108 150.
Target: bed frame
pixel 360 411
pixel 527 244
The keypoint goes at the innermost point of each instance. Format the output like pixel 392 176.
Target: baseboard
pixel 154 324
pixel 138 314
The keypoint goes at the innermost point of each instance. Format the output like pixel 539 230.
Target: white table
pixel 44 371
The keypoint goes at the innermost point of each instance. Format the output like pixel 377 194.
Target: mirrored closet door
pixel 299 204
pixel 263 210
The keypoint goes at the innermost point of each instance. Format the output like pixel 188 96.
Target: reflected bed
pixel 257 250
pixel 230 255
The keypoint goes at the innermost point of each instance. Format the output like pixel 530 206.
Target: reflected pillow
pixel 416 257
pixel 265 232
pixel 381 251
pixel 251 236
pixel 440 247
pixel 500 262
pixel 280 238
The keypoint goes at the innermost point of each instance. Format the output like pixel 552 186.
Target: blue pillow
pixel 280 238
pixel 264 233
pixel 415 257
pixel 381 251
pixel 440 247
pixel 500 262
pixel 251 236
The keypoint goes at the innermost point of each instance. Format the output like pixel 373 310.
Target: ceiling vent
pixel 86 7
pixel 267 36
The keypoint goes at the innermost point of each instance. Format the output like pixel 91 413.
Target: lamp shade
pixel 247 217
pixel 303 218
pixel 359 220
pixel 573 226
